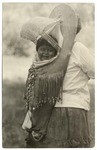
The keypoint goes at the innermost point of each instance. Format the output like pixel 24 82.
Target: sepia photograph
pixel 48 75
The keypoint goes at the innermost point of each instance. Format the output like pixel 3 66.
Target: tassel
pixel 48 89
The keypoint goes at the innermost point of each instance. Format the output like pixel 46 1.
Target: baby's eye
pixel 50 50
pixel 42 49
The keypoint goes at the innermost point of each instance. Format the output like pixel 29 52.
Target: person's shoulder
pixel 79 44
pixel 79 47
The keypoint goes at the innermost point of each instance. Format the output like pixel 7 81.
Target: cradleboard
pixel 48 79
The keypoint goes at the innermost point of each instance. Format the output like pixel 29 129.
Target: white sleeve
pixel 86 60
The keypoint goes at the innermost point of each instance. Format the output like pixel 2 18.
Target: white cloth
pixel 75 86
pixel 27 124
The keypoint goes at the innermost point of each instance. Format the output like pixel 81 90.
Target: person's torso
pixel 75 86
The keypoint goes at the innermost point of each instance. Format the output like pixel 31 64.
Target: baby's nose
pixel 46 51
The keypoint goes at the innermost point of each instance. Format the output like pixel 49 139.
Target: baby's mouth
pixel 45 56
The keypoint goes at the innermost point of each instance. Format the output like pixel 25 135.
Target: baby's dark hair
pixel 42 41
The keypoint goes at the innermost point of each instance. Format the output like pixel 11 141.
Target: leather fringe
pixel 42 89
pixel 49 89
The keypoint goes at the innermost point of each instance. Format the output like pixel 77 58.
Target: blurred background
pixel 18 55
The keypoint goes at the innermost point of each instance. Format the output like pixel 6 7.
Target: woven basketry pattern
pixel 32 29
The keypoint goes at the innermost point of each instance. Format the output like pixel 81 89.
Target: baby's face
pixel 46 52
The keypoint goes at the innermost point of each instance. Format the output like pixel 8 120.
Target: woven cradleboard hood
pixel 45 81
pixel 36 27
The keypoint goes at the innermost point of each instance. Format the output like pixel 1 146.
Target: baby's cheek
pixel 51 54
pixel 40 53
